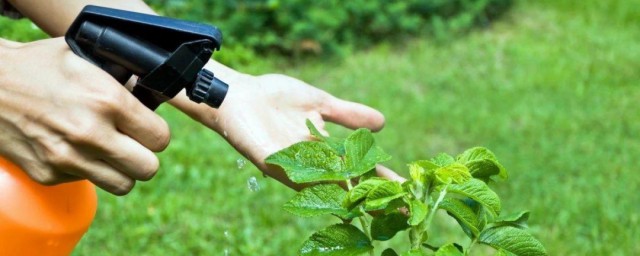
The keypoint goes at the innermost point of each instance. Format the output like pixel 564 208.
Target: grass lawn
pixel 552 89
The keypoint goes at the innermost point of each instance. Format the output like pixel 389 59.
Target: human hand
pixel 64 119
pixel 264 114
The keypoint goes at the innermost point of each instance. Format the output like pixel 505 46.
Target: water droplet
pixel 226 237
pixel 253 185
pixel 241 163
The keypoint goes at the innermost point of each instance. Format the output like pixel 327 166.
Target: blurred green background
pixel 550 86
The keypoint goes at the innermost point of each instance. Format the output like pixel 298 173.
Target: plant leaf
pixel 361 154
pixel 517 220
pixel 482 163
pixel 414 252
pixel 513 240
pixel 418 211
pixel 337 240
pixel 422 171
pixel 395 205
pixel 465 216
pixel 452 174
pixel 384 227
pixel 309 161
pixel 318 200
pixel 502 252
pixel 389 252
pixel 479 192
pixel 360 191
pixel 449 250
pixel 443 159
pixel 382 194
pixel 475 153
pixel 335 143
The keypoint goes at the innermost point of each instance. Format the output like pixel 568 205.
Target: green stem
pixel 349 185
pixel 416 237
pixel 363 220
pixel 473 242
pixel 417 232
pixel 434 209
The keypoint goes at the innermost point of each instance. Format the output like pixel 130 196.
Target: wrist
pixel 203 113
pixel 5 62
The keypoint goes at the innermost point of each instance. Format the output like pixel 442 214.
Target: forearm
pixel 55 17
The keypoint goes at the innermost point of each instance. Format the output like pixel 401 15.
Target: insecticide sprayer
pixel 167 56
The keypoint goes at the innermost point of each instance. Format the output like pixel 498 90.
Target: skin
pixel 260 115
pixel 70 120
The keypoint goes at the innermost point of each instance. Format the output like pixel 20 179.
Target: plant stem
pixel 363 220
pixel 466 251
pixel 434 209
pixel 349 185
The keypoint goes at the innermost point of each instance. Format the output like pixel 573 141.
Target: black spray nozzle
pixel 111 45
pixel 167 55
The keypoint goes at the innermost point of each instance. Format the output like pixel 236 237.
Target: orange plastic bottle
pixel 42 220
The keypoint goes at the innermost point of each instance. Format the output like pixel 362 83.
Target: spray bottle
pixel 167 56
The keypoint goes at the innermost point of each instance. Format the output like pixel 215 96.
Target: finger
pixel 61 178
pixel 130 158
pixel 143 125
pixel 387 173
pixel 102 175
pixel 50 177
pixel 74 163
pixel 352 115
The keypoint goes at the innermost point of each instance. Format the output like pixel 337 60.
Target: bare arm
pixel 261 114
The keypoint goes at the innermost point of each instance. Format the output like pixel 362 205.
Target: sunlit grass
pixel 551 89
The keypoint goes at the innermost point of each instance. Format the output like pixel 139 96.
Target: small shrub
pixel 459 186
pixel 321 27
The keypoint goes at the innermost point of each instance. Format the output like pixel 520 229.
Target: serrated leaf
pixel 335 143
pixel 482 163
pixel 361 154
pixel 475 153
pixel 384 227
pixel 382 194
pixel 449 250
pixel 414 252
pixel 485 169
pixel 464 214
pixel 318 200
pixel 368 175
pixel 452 174
pixel 337 240
pixel 513 240
pixel 502 252
pixel 309 161
pixel 395 205
pixel 518 220
pixel 360 191
pixel 422 171
pixel 479 192
pixel 443 159
pixel 418 212
pixel 389 252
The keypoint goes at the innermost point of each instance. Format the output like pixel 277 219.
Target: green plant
pixel 321 27
pixel 458 186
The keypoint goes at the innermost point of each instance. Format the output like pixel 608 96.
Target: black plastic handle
pixel 167 55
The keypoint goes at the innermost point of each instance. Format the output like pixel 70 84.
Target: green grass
pixel 551 89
